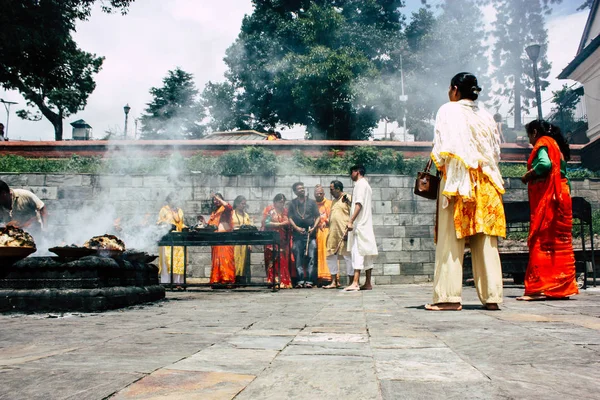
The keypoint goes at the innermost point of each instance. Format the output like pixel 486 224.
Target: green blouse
pixel 542 165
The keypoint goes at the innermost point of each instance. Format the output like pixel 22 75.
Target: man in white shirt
pixel 361 239
pixel 23 209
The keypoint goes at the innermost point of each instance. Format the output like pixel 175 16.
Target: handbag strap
pixel 428 166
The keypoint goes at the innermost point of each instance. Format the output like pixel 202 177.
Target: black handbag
pixel 427 185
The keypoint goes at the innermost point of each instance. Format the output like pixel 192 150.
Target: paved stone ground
pixel 307 344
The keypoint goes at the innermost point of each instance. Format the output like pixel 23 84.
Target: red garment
pixel 271 214
pixel 551 267
pixel 223 262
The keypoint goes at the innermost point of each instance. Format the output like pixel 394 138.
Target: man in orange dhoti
pixel 322 233
pixel 223 264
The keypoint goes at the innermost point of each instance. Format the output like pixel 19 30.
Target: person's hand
pixel 14 224
pixel 350 226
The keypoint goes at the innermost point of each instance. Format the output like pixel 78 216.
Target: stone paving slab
pixel 307 344
pixel 186 385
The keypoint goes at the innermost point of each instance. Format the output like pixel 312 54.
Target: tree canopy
pixel 40 59
pixel 174 112
pixel 518 24
pixel 313 63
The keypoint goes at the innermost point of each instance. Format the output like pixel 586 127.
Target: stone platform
pixel 86 284
pixel 308 344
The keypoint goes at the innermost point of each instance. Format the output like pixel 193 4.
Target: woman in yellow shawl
pixel 466 150
pixel 241 253
pixel 173 217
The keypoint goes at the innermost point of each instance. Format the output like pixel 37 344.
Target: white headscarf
pixel 465 138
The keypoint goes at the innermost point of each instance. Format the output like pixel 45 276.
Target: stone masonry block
pixel 515 195
pixel 411 268
pixel 287 181
pixel 391 244
pixel 421 256
pixel 383 231
pixel 64 180
pixel 392 257
pixel 399 231
pixel 401 279
pixel 389 193
pixel 391 269
pixel 75 193
pixel 411 244
pixel 231 192
pixel 427 207
pixel 418 231
pixel 429 268
pixel 44 192
pixel 403 206
pixel 424 219
pixel 594 184
pixel 377 270
pixel 399 219
pixel 382 207
pixel 382 280
pixel 379 181
pixel 113 181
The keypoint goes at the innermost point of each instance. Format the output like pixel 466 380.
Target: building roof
pixel 236 135
pixel 80 124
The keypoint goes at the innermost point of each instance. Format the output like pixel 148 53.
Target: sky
pixel 157 36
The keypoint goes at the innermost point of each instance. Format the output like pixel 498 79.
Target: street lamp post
pixel 7 105
pixel 533 52
pixel 126 109
pixel 403 98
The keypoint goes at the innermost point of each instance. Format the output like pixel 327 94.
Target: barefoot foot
pixel 491 307
pixel 533 297
pixel 444 307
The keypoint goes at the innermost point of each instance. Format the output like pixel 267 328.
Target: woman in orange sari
pixel 551 269
pixel 223 264
pixel 275 219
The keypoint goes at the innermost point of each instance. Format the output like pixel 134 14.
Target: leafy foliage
pixel 442 43
pixel 313 63
pixel 40 59
pixel 173 112
pixel 519 23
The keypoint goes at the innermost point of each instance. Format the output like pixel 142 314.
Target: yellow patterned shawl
pixel 466 139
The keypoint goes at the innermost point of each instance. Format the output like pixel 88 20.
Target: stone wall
pixel 403 222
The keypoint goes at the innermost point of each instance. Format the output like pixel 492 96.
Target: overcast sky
pixel 157 36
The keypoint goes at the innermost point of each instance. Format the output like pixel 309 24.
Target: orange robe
pixel 551 267
pixel 322 234
pixel 223 263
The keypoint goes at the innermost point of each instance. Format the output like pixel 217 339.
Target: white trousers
pixel 332 264
pixel 449 252
pixel 360 262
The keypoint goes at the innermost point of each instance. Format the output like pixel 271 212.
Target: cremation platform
pixel 86 284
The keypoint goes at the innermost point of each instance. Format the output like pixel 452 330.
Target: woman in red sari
pixel 551 270
pixel 275 219
pixel 223 263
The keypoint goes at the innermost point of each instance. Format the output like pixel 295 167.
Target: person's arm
pixel 44 217
pixel 357 210
pixel 541 166
pixel 292 223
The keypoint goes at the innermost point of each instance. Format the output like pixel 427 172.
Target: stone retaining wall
pixel 403 222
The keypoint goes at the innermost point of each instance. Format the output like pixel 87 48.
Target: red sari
pixel 282 266
pixel 223 263
pixel 551 267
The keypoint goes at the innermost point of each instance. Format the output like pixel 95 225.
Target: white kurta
pixel 363 224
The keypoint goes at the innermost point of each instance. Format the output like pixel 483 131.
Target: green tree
pixel 565 101
pixel 314 63
pixel 174 111
pixel 40 59
pixel 518 24
pixel 442 42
